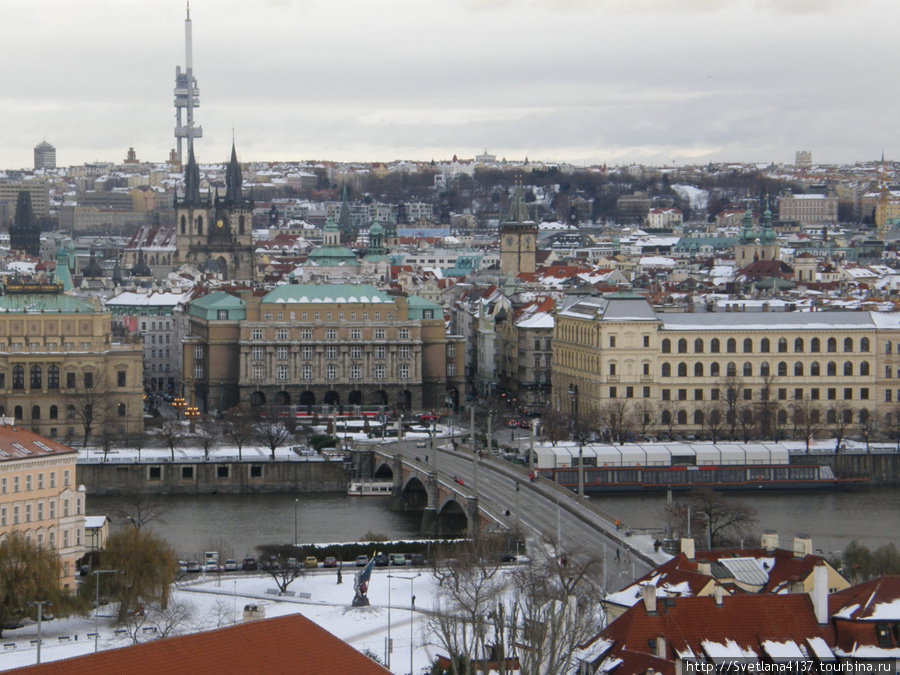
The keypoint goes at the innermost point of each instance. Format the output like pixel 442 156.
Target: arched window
pixel 120 410
pixel 682 346
pixel 70 412
pixel 698 346
pixel 848 344
pixel 667 370
pixel 18 377
pixel 782 416
pixel 863 415
pixel 698 417
pixel 815 345
pixel 682 369
pixel 666 417
pixel 887 419
pixel 747 416
pixel 832 345
pixel 37 377
pixel 782 346
pixel 715 417
pixel 748 369
pixel 848 416
pixel 830 416
pixel 714 346
pixel 183 225
pixel 764 369
pixel 731 346
pixel 798 369
pixel 17 412
pixel 848 369
pixel 52 377
pixel 54 412
pixel 698 369
pixel 798 345
pixel 199 224
pixel 831 369
pixel 864 344
pixel 682 417
pixel 748 346
pixel 864 368
pixel 731 369
pixel 764 345
pixel 814 369
pixel 241 225
pixel 887 350
pixel 35 412
pixel 782 369
pixel 666 346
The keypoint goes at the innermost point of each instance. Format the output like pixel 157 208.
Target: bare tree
pixel 713 420
pixel 554 427
pixel 617 418
pixel 766 407
pixel 868 427
pixel 238 427
pixel 155 623
pixel 271 430
pixel 731 386
pixel 892 424
pixel 745 421
pixel 172 433
pixel 207 434
pixel 470 587
pixel 140 511
pixel 725 521
pixel 88 401
pixel 558 602
pixel 667 412
pixel 280 562
pixel 807 418
pixel 644 415
pixel 839 416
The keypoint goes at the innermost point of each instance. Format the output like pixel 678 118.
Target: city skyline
pixel 683 81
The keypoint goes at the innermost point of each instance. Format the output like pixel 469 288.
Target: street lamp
pixel 40 605
pixel 576 433
pixel 412 606
pixel 179 404
pixel 296 504
pixel 192 413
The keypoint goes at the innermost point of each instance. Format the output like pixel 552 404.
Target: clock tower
pixel 518 238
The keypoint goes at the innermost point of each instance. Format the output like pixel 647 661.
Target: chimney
pixel 648 595
pixel 802 546
pixel 704 567
pixel 717 595
pixel 660 647
pixel 687 547
pixel 769 540
pixel 819 593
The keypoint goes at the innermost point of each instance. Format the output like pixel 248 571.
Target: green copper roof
pixel 327 293
pixel 419 306
pixel 47 302
pixel 209 306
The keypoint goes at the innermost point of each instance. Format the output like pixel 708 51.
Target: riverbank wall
pixel 880 468
pixel 213 477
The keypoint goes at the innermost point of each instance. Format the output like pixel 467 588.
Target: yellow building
pixel 38 495
pixel 744 373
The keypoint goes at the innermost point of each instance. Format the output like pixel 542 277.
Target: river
pixel 235 524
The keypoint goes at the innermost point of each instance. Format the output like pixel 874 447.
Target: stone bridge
pixel 448 509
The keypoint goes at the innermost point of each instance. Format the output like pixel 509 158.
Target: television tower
pixel 187 95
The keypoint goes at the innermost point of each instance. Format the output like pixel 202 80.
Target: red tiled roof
pixel 19 443
pixel 283 646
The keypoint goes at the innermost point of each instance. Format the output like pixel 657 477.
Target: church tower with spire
pixel 217 236
pixel 518 238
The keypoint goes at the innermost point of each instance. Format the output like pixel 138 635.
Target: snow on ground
pixel 218 600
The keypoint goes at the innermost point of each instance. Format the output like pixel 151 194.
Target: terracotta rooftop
pixel 283 646
pixel 19 443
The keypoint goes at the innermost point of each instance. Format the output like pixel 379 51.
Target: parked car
pixel 293 563
pixel 362 560
pixel 381 560
pixel 193 566
pixel 512 424
pixel 398 560
pixel 421 444
pixel 524 424
pixel 231 565
pixel 249 565
pixel 417 560
pixel 428 417
pixel 330 561
pixel 311 562
pixel 212 566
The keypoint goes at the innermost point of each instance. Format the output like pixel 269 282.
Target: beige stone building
pixel 38 495
pixel 313 345
pixel 59 364
pixel 812 209
pixel 518 238
pixel 689 372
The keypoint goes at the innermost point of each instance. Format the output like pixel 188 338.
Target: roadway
pixel 544 512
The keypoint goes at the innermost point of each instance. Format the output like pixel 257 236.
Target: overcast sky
pixel 584 81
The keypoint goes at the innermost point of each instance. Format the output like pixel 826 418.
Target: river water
pixel 235 524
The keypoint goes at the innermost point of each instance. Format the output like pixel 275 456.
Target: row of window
pixel 304 316
pixel 53 413
pixel 746 416
pixel 815 345
pixel 331 372
pixel 282 353
pixel 36 379
pixel 17 482
pixel 32 514
pixel 49 346
pixel 746 394
pixel 781 370
pixel 51 541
